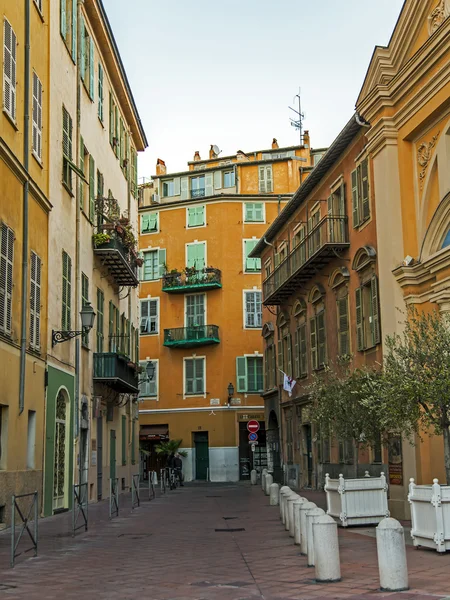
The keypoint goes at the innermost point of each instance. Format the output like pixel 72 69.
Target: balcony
pixel 118 259
pixel 323 243
pixel 188 337
pixel 115 371
pixel 198 193
pixel 191 280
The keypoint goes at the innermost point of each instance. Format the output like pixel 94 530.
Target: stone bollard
pixel 326 550
pixel 285 490
pixel 297 505
pixel 263 479
pixel 269 481
pixel 303 537
pixel 287 514
pixel 311 517
pixel 274 494
pixel 391 552
pixel 286 497
pixel 290 512
pixel 253 477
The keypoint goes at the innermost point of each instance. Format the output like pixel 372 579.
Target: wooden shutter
pixel 249 213
pixel 365 203
pixel 262 179
pixel 83 50
pixel 100 92
pixel 162 261
pixel 80 181
pixel 343 326
pixel 321 335
pixel 145 316
pixel 359 319
pixel 67 135
pixel 355 199
pixel 91 189
pixel 153 222
pixel 91 69
pixel 184 187
pixel 37 117
pixel 133 442
pixel 6 277
pixel 111 344
pixel 217 180
pixel 376 334
pixel 289 354
pixel 249 309
pixel 251 264
pixel 153 315
pixel 145 223
pixel 280 360
pixel 297 372
pixel 153 384
pixel 35 301
pixel 199 372
pixel 303 350
pixel 191 221
pixel 9 70
pixel 100 309
pixel 241 373
pixel 189 376
pixel 74 30
pixel 111 119
pixel 267 367
pixel 66 291
pixel 259 212
pixel 313 336
pixel 63 18
pixel 269 179
pixel 209 184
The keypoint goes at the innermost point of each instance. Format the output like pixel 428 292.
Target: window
pixel 168 188
pixel 318 340
pixel 314 232
pixel 249 374
pixel 149 222
pixel 87 60
pixel 100 319
pixel 268 267
pixel 196 255
pixel 149 389
pixel 301 350
pixel 37 118
pixel 100 92
pixel 9 70
pixel 68 24
pixel 194 376
pixel 67 149
pixel 6 277
pixel 254 212
pixel 100 194
pixel 367 315
pixel 195 310
pixel 113 140
pixel 66 315
pixel 134 172
pixel 346 451
pixel 343 326
pixel 84 301
pixel 198 187
pixel 35 302
pixel 149 316
pixel 31 439
pixel 251 265
pixel 252 309
pixel 113 328
pixel 195 216
pixel 336 215
pixel 91 188
pixel 229 179
pixel 3 435
pixel 360 194
pixel 154 265
pixel 83 161
pixel 265 179
pixel 270 364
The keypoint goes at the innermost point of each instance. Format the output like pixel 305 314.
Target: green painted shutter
pixel 259 212
pixel 355 203
pixel 249 211
pixel 241 373
pixel 280 361
pixel 74 31
pixel 91 189
pixel 83 50
pixel 262 179
pixel 313 337
pixel 343 326
pixel 365 190
pixel 145 223
pixel 111 119
pixel 111 346
pixel 100 92
pixel 321 336
pixel 91 69
pixel 376 334
pixel 162 261
pixel 112 454
pixel 63 18
pixel 359 319
pixel 153 222
pixel 189 376
pixel 296 355
pixel 124 440
pixel 80 181
pixel 191 219
pixel 303 350
pixel 100 303
pixel 251 264
pixel 199 374
pixel 289 352
pixel 269 179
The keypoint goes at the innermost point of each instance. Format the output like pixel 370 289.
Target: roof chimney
pixel 197 156
pixel 306 139
pixel 275 144
pixel 160 167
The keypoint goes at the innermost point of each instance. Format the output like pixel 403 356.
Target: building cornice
pixel 160 411
pixel 217 198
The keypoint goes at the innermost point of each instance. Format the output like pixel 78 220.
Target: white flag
pixel 288 383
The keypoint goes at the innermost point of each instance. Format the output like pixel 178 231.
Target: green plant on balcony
pixel 190 272
pixel 100 239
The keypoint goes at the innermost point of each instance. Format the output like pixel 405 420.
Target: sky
pixel 204 72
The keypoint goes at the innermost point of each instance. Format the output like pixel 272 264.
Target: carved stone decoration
pixel 438 15
pixel 424 153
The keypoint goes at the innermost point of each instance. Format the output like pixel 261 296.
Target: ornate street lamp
pixel 150 370
pixel 230 392
pixel 87 314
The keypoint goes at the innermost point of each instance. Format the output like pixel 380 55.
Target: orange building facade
pixel 200 298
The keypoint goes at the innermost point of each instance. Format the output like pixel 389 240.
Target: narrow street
pixel 202 542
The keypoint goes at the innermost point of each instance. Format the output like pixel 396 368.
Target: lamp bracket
pixel 63 336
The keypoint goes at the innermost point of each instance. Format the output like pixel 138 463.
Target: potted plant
pixel 124 220
pixel 100 239
pixel 139 261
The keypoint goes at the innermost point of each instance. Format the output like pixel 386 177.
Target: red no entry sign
pixel 253 426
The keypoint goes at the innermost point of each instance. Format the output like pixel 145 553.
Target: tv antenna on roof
pixel 298 121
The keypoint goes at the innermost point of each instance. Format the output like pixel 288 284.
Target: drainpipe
pixel 26 186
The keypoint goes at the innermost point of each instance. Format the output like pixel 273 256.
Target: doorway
pixel 60 480
pixel 308 448
pixel 201 444
pixel 99 458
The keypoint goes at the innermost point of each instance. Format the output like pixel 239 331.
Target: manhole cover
pixel 230 530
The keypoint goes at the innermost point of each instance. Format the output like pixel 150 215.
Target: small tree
pixel 347 405
pixel 416 378
pixel 165 449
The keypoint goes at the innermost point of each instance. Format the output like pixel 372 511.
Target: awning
pixel 154 432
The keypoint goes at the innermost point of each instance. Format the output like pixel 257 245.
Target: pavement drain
pixel 230 530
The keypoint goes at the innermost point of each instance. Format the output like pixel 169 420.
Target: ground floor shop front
pixel 216 442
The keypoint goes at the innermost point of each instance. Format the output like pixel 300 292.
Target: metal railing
pixel 135 497
pixel 114 368
pixel 330 232
pixel 33 508
pixel 201 277
pixel 151 485
pixel 114 497
pixel 186 335
pixel 198 193
pixel 80 507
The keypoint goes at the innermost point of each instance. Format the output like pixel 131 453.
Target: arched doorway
pixel 60 476
pixel 273 447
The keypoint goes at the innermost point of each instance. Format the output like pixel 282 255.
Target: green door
pixel 112 454
pixel 201 455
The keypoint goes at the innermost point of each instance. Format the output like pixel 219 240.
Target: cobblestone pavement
pixel 182 546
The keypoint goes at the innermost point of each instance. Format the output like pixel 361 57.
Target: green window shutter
pixel 251 264
pixel 116 131
pixel 124 440
pixel 153 222
pixel 91 69
pixel 259 212
pixel 355 199
pixel 83 50
pixel 217 180
pixel 330 227
pixel 191 219
pixel 100 92
pixel 249 211
pixel 199 372
pixel 365 202
pixel 266 368
pixel 80 181
pixel 111 119
pixel 200 215
pixel 111 347
pixel 269 179
pixel 241 373
pixel 296 355
pixel 313 338
pixel 136 345
pixel 145 223
pixel 74 31
pixel 63 18
pixel 189 376
pixel 262 179
pixel 376 334
pixel 162 261
pixel 359 319
pixel 133 442
pixel 321 336
pixel 91 189
pixel 343 326
pixel 196 256
pixel 280 361
pixel 289 351
pixel 303 350
pixel 99 319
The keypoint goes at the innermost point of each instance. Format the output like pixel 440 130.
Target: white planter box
pixel 357 501
pixel 430 515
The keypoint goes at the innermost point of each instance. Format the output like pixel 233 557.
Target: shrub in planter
pixel 101 238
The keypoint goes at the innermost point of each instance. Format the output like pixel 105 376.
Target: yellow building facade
pixel 405 98
pixel 24 214
pixel 200 296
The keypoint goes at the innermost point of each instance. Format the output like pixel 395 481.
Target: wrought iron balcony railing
pixel 198 193
pixel 186 281
pixel 119 260
pixel 116 371
pixel 324 242
pixel 186 337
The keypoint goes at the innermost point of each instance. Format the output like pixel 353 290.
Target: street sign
pixel 253 426
pixel 253 437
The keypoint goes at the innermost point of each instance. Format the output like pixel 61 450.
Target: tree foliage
pixel 170 447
